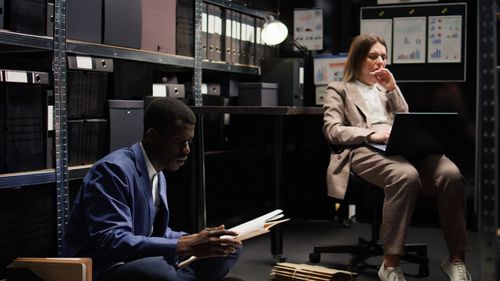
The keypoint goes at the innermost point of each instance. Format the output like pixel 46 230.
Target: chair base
pixel 414 253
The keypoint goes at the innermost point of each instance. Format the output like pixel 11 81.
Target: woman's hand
pixel 382 137
pixel 385 79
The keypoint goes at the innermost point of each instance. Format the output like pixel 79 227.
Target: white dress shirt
pixel 376 111
pixel 153 177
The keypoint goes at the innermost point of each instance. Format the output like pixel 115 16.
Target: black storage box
pixel 126 123
pixel 258 94
pixel 87 141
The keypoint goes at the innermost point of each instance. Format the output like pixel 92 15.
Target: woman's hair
pixel 163 113
pixel 358 51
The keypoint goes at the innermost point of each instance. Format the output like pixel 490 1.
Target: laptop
pixel 419 133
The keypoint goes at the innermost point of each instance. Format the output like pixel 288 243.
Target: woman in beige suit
pixel 361 108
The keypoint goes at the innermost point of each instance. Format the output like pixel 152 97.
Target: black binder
pixel 204 31
pixel 251 40
pixel 24 130
pixel 185 29
pixel 259 45
pixel 84 20
pixel 87 94
pixel 214 32
pixel 236 36
pixel 122 23
pixel 2 13
pixel 87 141
pixel 27 16
pixel 244 43
pixel 227 35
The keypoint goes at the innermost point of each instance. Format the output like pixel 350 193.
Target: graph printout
pixel 409 40
pixel 445 39
pixel 380 27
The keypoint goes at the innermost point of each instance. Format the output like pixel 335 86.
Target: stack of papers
pixel 285 271
pixel 250 229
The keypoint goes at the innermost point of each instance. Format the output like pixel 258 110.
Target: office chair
pixel 414 253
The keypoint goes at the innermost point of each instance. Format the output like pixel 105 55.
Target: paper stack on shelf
pixel 285 271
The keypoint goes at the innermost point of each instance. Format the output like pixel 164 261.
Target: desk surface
pixel 263 110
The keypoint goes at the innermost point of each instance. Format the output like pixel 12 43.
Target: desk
pixel 277 113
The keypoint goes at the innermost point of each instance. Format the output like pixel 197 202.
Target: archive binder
pixel 84 20
pixel 122 23
pixel 204 31
pixel 27 16
pixel 259 45
pixel 87 94
pixel 24 110
pixel 244 44
pixel 87 141
pixel 158 26
pixel 236 36
pixel 214 32
pixel 227 36
pixel 185 29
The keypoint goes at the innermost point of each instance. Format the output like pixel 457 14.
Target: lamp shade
pixel 274 31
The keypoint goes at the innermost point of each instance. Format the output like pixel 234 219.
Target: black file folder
pixel 227 35
pixel 87 141
pixel 236 37
pixel 132 80
pixel 84 20
pixel 244 44
pixel 87 94
pixel 24 127
pixel 184 33
pixel 259 45
pixel 158 26
pixel 2 13
pixel 27 16
pixel 214 32
pixel 122 23
pixel 251 40
pixel 204 31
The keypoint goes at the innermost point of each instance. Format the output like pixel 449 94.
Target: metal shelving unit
pixel 487 139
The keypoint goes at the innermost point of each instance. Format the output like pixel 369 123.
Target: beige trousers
pixel 402 182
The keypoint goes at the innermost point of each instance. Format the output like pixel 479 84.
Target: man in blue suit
pixel 120 216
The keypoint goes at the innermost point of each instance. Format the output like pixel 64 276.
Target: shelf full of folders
pixel 160 32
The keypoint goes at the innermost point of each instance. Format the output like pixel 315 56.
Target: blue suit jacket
pixel 113 214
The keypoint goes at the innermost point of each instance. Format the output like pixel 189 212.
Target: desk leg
pixel 199 212
pixel 276 235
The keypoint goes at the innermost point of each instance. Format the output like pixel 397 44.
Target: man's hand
pixel 382 137
pixel 208 243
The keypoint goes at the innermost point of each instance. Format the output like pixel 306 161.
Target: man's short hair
pixel 163 113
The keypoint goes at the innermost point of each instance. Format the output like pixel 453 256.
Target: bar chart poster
pixel 380 27
pixel 409 40
pixel 445 39
pixel 328 69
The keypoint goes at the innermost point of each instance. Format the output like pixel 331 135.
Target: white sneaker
pixel 391 274
pixel 456 270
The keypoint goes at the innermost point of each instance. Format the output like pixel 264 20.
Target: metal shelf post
pixel 60 119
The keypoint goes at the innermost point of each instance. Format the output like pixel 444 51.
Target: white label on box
pixel 50 118
pixel 204 22
pixel 159 90
pixel 204 89
pixel 16 76
pixel 83 62
pixel 301 76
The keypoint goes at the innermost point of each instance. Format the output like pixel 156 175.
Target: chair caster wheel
pixel 423 270
pixel 314 257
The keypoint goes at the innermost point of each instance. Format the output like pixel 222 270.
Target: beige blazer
pixel 346 126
